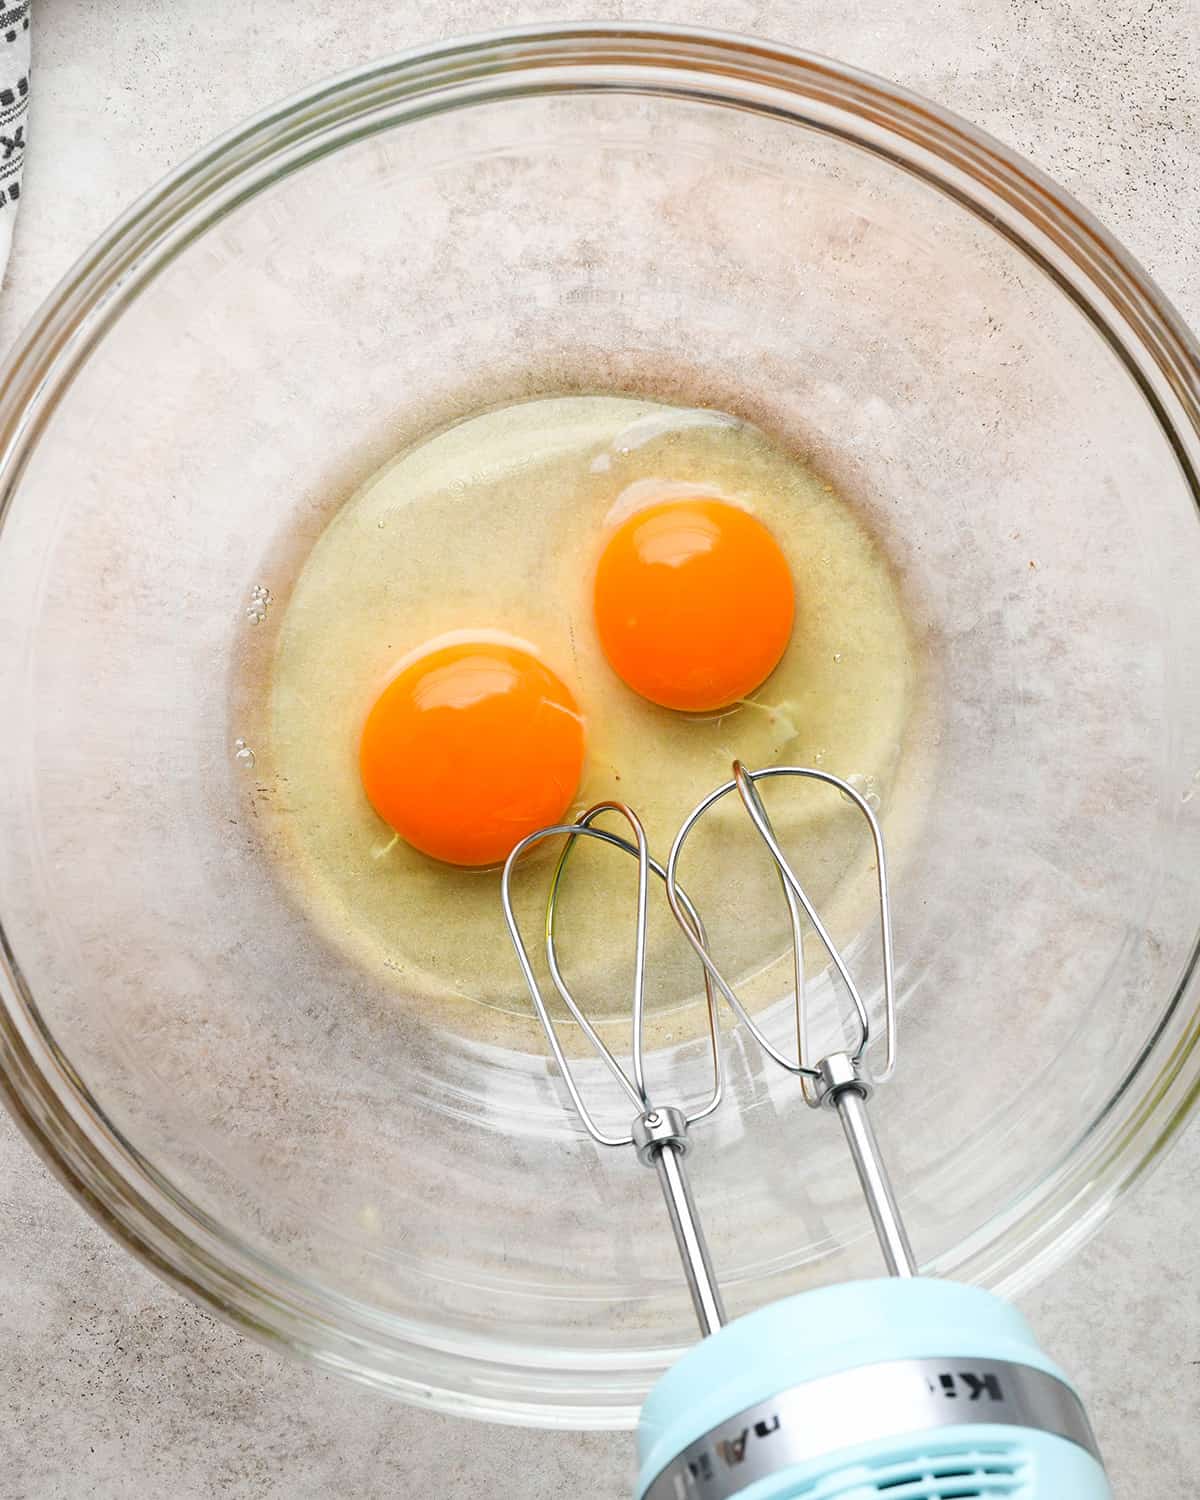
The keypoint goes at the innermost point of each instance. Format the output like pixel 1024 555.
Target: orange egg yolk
pixel 694 603
pixel 469 748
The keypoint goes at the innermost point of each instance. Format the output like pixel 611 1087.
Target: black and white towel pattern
pixel 14 105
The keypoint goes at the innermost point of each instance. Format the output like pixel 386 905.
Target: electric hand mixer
pixel 907 1388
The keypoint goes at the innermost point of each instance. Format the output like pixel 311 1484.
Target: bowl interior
pixel 416 1179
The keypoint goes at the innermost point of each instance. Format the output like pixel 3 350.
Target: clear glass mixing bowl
pixel 999 391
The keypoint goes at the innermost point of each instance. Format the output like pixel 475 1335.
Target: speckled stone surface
pixel 112 1385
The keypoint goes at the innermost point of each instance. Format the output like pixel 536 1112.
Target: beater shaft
pixel 689 1236
pixel 661 1138
pixel 850 1102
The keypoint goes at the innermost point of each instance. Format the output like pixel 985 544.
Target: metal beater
pixel 659 1132
pixel 909 1389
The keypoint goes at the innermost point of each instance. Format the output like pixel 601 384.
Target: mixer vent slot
pixel 974 1473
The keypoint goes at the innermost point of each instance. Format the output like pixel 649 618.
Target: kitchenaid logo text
pixel 727 1453
pixel 972 1387
pixel 733 1451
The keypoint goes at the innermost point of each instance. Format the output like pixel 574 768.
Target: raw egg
pixel 693 602
pixel 496 524
pixel 471 746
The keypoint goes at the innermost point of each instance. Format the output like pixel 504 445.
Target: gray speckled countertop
pixel 114 1386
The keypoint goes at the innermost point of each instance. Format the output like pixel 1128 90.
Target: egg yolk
pixel 469 748
pixel 694 603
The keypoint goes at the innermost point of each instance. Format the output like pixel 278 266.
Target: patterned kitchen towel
pixel 14 103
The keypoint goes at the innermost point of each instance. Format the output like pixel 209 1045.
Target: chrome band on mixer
pixel 839 1412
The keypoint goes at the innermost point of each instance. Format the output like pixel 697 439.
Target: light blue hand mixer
pixel 905 1388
